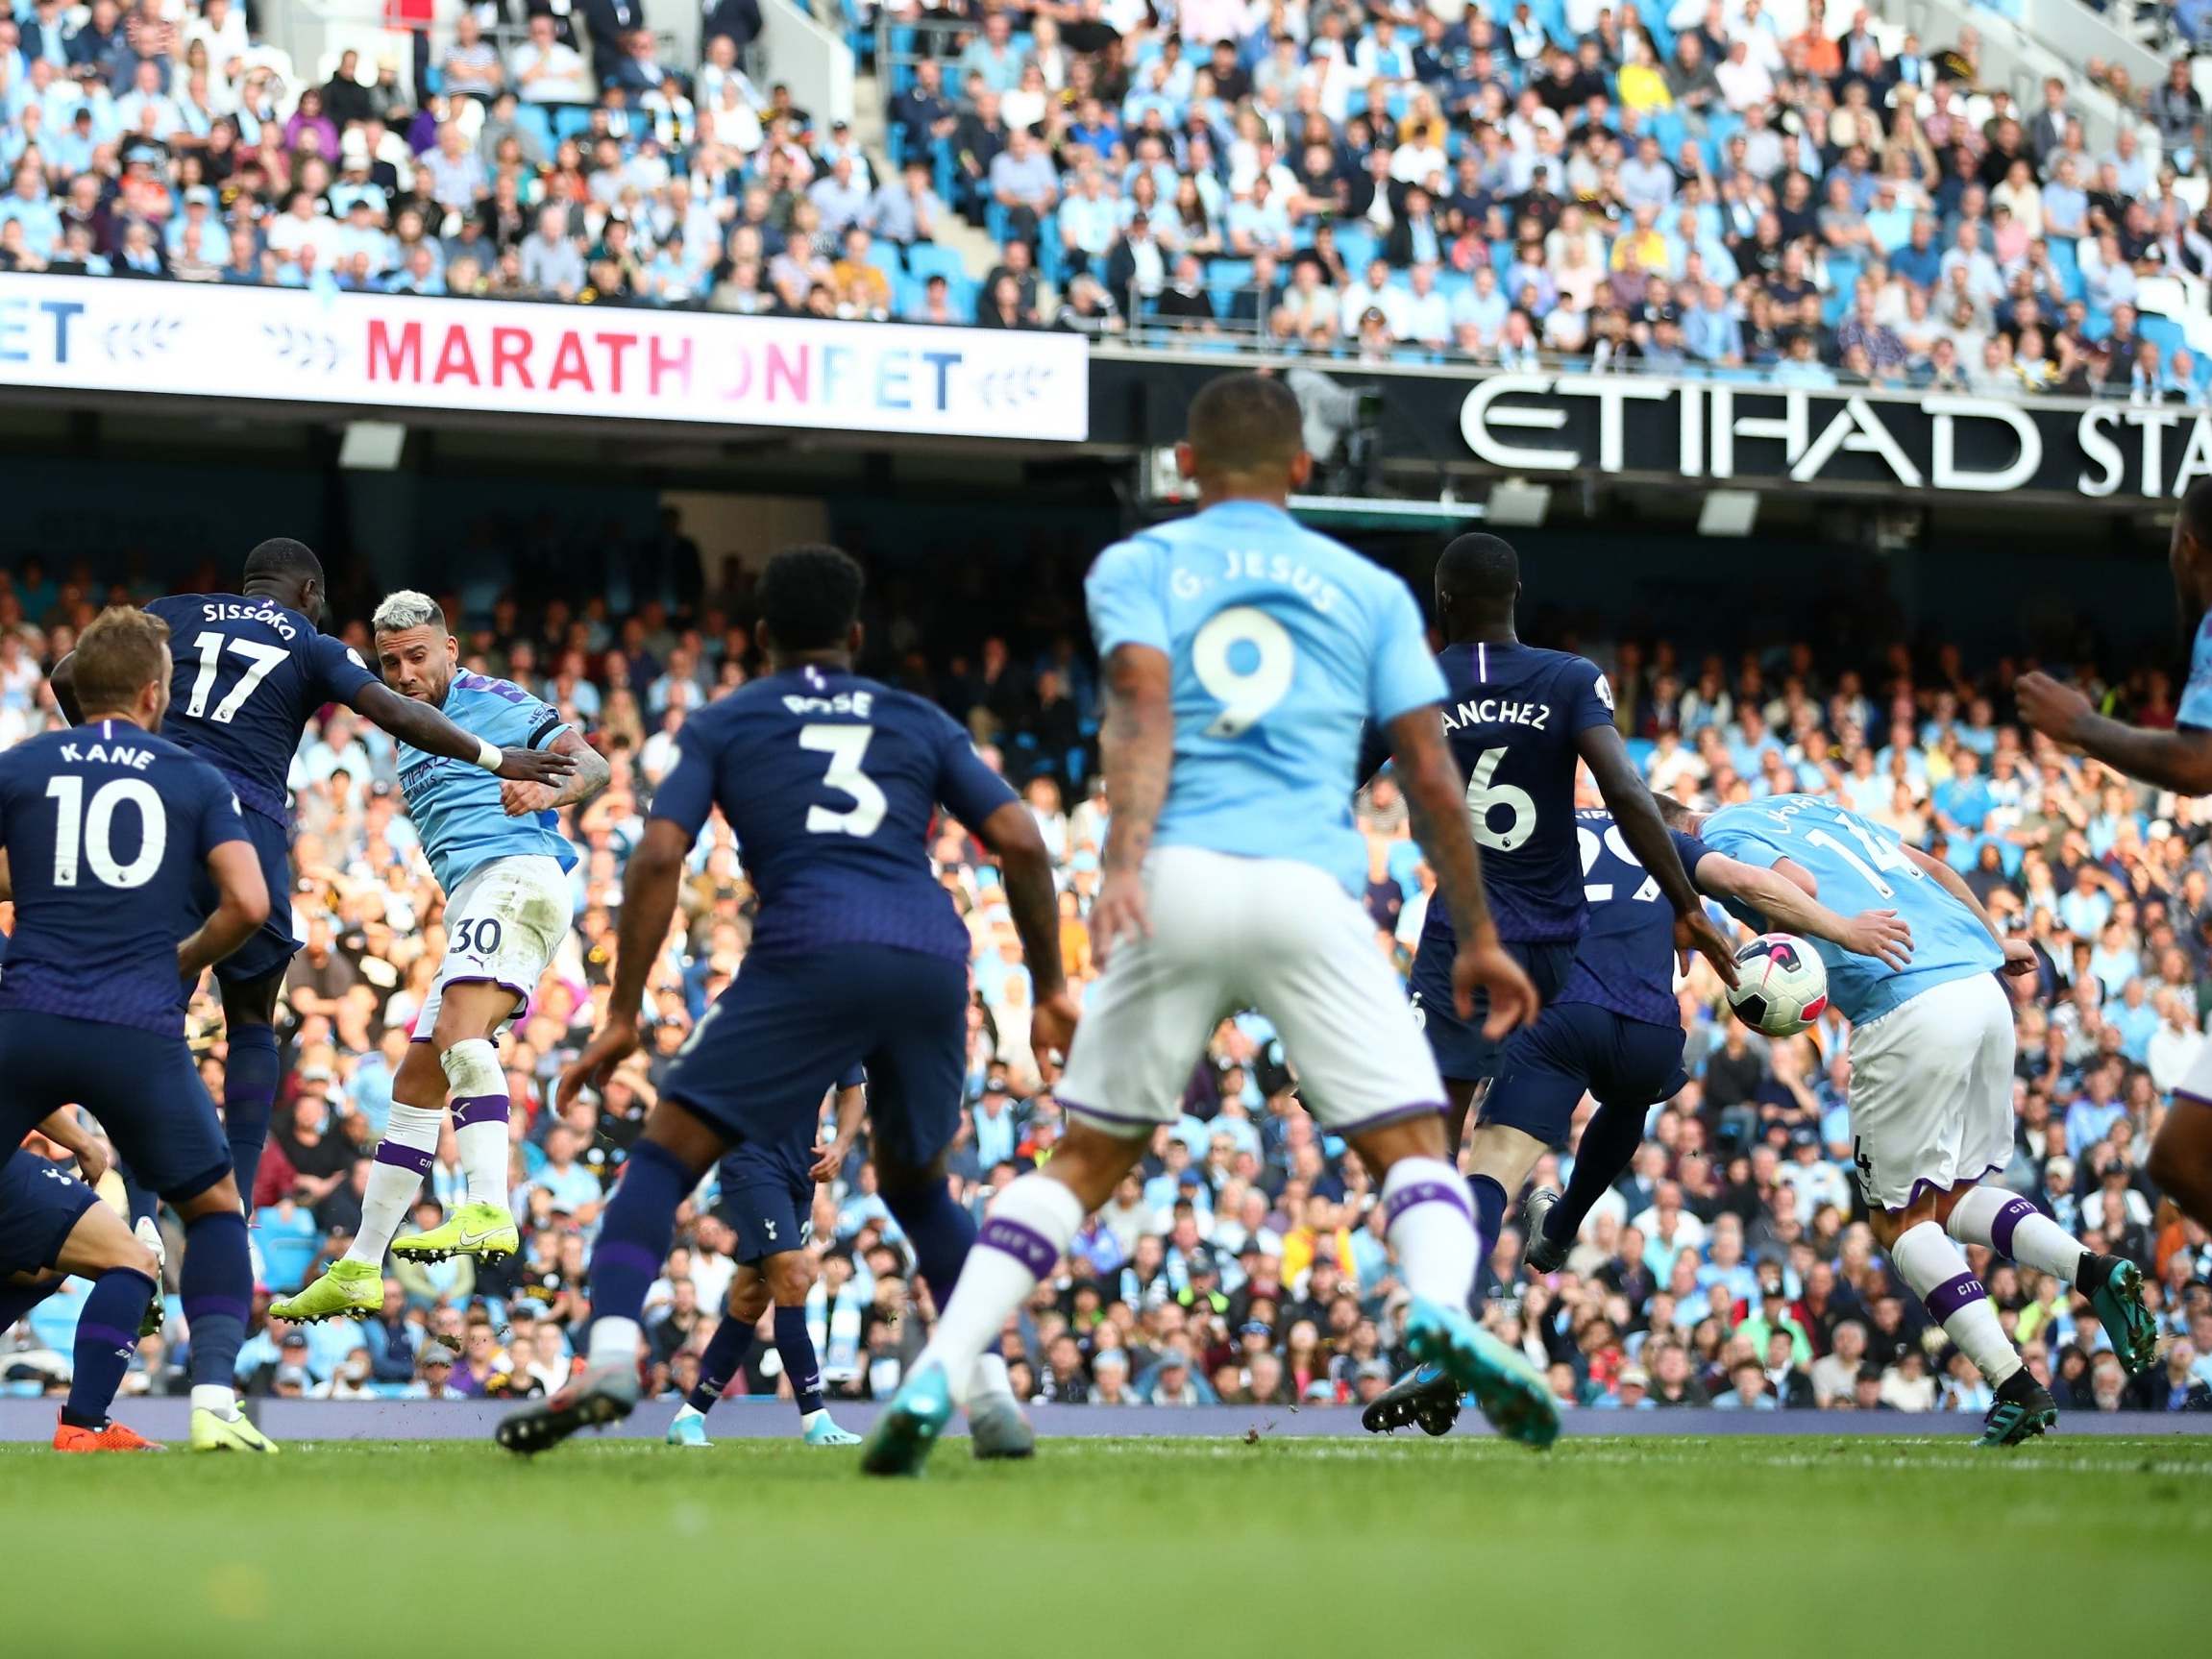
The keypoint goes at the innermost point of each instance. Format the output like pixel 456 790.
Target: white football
pixel 1781 985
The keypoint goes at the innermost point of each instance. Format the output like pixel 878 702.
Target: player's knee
pixel 897 1178
pixel 750 1300
pixel 472 1065
pixel 138 1258
pixel 790 1276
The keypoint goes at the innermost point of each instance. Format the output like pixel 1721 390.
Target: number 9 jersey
pixel 1283 645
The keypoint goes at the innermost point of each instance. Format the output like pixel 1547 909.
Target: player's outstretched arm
pixel 421 726
pixel 2019 954
pixel 649 893
pixel 241 906
pixel 591 776
pixel 1436 809
pixel 1877 933
pixel 2179 760
pixel 1629 798
pixel 1137 746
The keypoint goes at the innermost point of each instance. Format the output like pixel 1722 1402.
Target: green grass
pixel 1144 1549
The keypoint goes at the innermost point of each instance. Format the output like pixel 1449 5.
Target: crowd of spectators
pixel 1732 186
pixel 1245 1262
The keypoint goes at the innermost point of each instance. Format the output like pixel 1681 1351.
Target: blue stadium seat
pixel 1356 243
pixel 532 119
pixel 2067 260
pixel 886 258
pixel 571 121
pixel 926 260
pixel 2163 332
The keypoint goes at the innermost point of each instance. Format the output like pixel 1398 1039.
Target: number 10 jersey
pixel 1283 643
pixel 829 781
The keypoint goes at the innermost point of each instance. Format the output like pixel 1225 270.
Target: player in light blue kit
pixel 1242 655
pixel 497 850
pixel 2179 760
pixel 1931 1052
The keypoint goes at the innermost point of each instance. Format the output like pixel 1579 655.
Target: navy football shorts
pixel 272 946
pixel 1464 1054
pixel 143 1089
pixel 41 1205
pixel 1578 1048
pixel 789 1026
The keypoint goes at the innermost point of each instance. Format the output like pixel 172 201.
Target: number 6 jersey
pixel 830 782
pixel 1283 645
pixel 107 830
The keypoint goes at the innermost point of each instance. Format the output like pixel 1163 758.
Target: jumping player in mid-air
pixel 1931 1118
pixel 251 668
pixel 1615 1031
pixel 767 1197
pixel 830 782
pixel 1518 718
pixel 498 854
pixel 113 838
pixel 1241 655
pixel 2179 760
pixel 53 1226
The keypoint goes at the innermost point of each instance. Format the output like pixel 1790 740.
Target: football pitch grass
pixel 1156 1548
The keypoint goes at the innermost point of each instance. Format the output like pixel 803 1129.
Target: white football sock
pixel 395 1180
pixel 989 1379
pixel 478 1098
pixel 1026 1235
pixel 2011 1225
pixel 1928 1260
pixel 1432 1230
pixel 613 1342
pixel 214 1397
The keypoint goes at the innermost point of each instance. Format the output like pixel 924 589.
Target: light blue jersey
pixel 455 804
pixel 1284 643
pixel 1859 865
pixel 2197 695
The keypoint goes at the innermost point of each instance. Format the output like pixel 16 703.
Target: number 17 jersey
pixel 1513 713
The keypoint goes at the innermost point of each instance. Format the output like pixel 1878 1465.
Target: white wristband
pixel 489 755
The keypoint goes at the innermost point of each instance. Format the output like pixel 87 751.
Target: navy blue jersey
pixel 250 673
pixel 108 831
pixel 830 782
pixel 1512 713
pixel 1626 961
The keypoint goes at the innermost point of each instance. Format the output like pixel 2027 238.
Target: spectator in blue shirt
pixel 2094 1113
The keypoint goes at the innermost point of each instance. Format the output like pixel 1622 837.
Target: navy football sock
pixel 1610 1139
pixel 800 1364
pixel 250 1077
pixel 217 1288
pixel 939 1231
pixel 718 1366
pixel 107 1337
pixel 1490 1218
pixel 636 1231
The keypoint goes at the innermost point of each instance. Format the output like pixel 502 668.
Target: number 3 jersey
pixel 249 675
pixel 1513 713
pixel 108 830
pixel 1283 643
pixel 1859 864
pixel 830 781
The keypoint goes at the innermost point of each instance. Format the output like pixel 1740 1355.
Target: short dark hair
pixel 2197 513
pixel 1245 422
pixel 810 596
pixel 1479 566
pixel 283 556
pixel 118 655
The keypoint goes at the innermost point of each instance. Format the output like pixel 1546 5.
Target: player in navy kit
pixel 251 669
pixel 767 1198
pixel 1518 718
pixel 112 838
pixel 1614 1031
pixel 830 782
pixel 2179 760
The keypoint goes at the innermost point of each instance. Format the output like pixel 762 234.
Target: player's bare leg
pixel 1460 1098
pixel 2181 1159
pixel 782 1282
pixel 1929 1262
pixel 1498 1166
pixel 470 1080
pixel 126 1277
